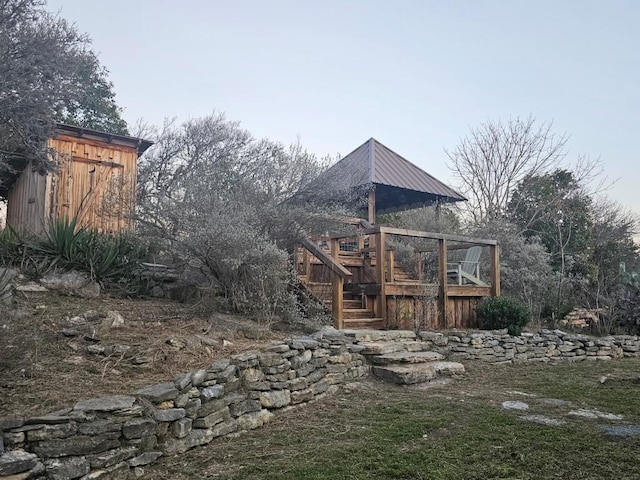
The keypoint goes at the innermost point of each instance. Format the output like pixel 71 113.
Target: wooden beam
pixel 98 162
pixel 330 262
pixel 380 274
pixel 337 289
pixel 406 289
pixel 468 291
pixel 435 236
pixel 371 206
pixel 495 270
pixel 391 259
pixel 442 276
pixel 306 263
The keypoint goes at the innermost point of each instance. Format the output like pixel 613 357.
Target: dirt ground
pixel 56 350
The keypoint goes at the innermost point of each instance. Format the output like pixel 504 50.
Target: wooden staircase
pixel 358 309
pixel 357 314
pixel 359 280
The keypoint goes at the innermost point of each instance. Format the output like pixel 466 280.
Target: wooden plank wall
pixel 26 201
pixel 462 312
pixel 95 182
pixel 407 312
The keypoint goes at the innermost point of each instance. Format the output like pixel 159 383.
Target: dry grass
pixel 42 370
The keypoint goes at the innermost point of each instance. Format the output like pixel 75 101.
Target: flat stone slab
pixel 368 335
pixel 621 430
pixel 106 404
pixel 159 393
pixel 515 405
pixel 383 348
pixel 448 368
pixel 543 420
pixel 406 357
pixel 556 402
pixel 593 414
pixel 17 461
pixel 405 374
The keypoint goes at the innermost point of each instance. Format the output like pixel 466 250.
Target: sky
pixel 414 74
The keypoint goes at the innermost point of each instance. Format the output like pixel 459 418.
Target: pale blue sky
pixel 413 74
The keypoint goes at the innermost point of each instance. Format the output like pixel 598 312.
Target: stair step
pixel 406 357
pixel 383 347
pixel 382 335
pixel 417 372
pixel 405 374
pixel 357 313
pixel 351 304
pixel 374 323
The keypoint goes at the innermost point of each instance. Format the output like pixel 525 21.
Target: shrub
pixel 503 312
pixel 112 260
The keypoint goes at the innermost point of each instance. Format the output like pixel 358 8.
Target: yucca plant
pixel 63 237
pixel 113 260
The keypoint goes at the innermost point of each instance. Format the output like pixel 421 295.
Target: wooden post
pixel 337 288
pixel 380 274
pixel 372 206
pixel 495 270
pixel 392 264
pixel 306 263
pixel 442 275
pixel 419 266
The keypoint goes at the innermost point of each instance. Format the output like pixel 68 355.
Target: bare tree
pixel 495 157
pixel 219 199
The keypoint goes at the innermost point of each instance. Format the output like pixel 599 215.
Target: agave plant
pixel 113 260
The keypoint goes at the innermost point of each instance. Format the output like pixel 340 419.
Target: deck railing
pixel 368 265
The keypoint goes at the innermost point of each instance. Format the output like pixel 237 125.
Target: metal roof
pixel 373 162
pixel 140 144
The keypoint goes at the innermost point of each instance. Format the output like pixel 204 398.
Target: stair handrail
pixel 328 260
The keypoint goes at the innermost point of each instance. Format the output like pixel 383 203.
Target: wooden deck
pixel 388 278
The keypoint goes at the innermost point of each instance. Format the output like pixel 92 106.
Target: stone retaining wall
pixel 545 346
pixel 114 437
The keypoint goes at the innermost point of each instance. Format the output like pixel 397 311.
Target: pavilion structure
pixel 382 277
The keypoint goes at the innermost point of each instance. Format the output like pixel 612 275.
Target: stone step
pixel 378 335
pixel 406 357
pixel 409 374
pixel 405 374
pixel 382 348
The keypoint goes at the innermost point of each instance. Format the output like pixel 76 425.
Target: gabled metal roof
pixel 373 162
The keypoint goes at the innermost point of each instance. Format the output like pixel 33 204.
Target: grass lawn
pixel 454 431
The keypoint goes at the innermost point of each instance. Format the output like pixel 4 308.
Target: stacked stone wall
pixel 545 346
pixel 114 437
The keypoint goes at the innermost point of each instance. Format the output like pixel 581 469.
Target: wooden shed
pixel 95 182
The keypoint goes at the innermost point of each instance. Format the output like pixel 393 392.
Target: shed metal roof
pixel 140 144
